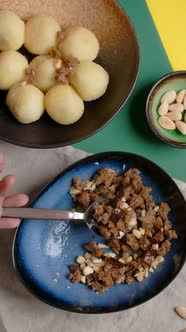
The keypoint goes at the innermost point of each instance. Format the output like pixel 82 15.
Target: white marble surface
pixel 21 312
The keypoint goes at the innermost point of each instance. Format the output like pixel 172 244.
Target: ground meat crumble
pixel 128 209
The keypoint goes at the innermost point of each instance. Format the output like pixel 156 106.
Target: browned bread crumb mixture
pixel 130 209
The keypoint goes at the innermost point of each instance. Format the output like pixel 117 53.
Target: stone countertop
pixel 21 312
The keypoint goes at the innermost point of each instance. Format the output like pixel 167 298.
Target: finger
pixel 6 184
pixel 9 223
pixel 2 162
pixel 1 204
pixel 16 200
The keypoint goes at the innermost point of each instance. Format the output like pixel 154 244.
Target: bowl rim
pixel 153 89
pixel 115 112
pixel 77 309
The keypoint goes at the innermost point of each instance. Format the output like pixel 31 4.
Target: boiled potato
pixel 79 42
pixel 12 31
pixel 44 72
pixel 63 104
pixel 26 102
pixel 41 34
pixel 12 68
pixel 90 80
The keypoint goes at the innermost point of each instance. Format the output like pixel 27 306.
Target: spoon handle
pixel 36 213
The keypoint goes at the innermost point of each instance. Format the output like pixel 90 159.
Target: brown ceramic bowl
pixel 173 81
pixel 119 55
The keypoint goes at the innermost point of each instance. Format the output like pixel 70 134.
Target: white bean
pixel 181 126
pixel 180 96
pixel 163 108
pixel 166 123
pixel 169 97
pixel 175 116
pixel 176 107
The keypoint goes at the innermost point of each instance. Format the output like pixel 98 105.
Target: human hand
pixel 9 201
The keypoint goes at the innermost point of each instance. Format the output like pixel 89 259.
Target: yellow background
pixel 170 19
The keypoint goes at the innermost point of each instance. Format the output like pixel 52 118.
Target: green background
pixel 129 131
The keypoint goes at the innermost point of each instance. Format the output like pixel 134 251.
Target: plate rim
pixel 98 310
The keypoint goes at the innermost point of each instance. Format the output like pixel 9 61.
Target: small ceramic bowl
pixel 173 81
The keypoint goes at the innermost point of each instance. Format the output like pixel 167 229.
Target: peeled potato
pixel 44 72
pixel 63 104
pixel 90 80
pixel 12 31
pixel 79 42
pixel 26 102
pixel 12 68
pixel 41 34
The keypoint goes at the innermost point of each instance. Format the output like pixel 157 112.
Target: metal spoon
pixel 51 214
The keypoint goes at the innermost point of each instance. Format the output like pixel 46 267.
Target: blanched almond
pixel 143 213
pixel 122 205
pixel 80 259
pixel 96 260
pixel 87 270
pixel 155 246
pixel 156 208
pixel 185 117
pixel 181 126
pixel 139 276
pixel 166 123
pixel 121 234
pixel 132 222
pixel 74 191
pixel 169 97
pixel 181 311
pixel 142 231
pixel 146 273
pixel 83 279
pixel 87 255
pixel 184 103
pixel 109 254
pixel 82 266
pixel 163 109
pixel 129 259
pixel 159 259
pixel 180 96
pixel 175 115
pixel 122 260
pixel 96 268
pixel 176 107
pixel 102 245
pixel 136 233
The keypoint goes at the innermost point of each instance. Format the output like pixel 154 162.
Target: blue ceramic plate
pixel 43 250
